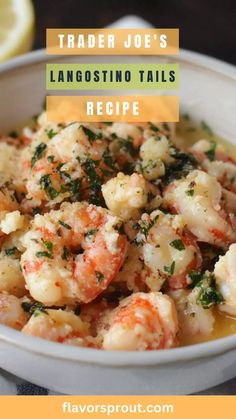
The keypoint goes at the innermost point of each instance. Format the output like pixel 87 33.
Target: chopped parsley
pixel 75 188
pixel 47 253
pixel 51 159
pixel 146 226
pixel 48 245
pixel 92 136
pixel 190 192
pixel 108 160
pixel 65 253
pixel 153 127
pixel 148 166
pixel 210 255
pixel 208 294
pixel 128 168
pixel 206 128
pixel 11 251
pixel 51 133
pixel 89 167
pixel 46 184
pixel 64 225
pixel 126 144
pixel 43 254
pixel 99 276
pixel 64 175
pixel 211 152
pixel 106 172
pixel 71 185
pixel 38 153
pixel 34 308
pixel 184 163
pixel 177 244
pixel 170 269
pixel 195 277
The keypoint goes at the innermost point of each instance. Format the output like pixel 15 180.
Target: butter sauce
pixel 187 135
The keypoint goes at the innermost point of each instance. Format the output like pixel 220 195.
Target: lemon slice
pixel 16 27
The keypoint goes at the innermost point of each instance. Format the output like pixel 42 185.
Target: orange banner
pixel 112 41
pixel 65 109
pixel 65 407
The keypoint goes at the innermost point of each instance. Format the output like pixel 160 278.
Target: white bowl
pixel 207 92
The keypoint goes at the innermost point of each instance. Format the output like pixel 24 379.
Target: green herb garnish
pixel 51 159
pixel 184 163
pixel 211 152
pixel 65 253
pixel 190 192
pixel 64 225
pixel 71 185
pixel 127 145
pixel 153 127
pixel 48 245
pixel 99 276
pixel 38 153
pixel 206 128
pixel 75 188
pixel 51 134
pixel 108 160
pixel 146 226
pixel 89 167
pixel 195 277
pixel 208 294
pixel 47 253
pixel 43 254
pixel 46 184
pixel 177 244
pixel 170 269
pixel 11 251
pixel 34 308
pixel 92 136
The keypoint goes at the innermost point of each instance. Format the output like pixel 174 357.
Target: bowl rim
pixel 190 57
pixel 55 350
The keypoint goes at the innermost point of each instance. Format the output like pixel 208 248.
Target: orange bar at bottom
pixel 97 407
pixel 65 109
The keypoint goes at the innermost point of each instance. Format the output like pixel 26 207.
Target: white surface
pixel 129 22
pixel 207 95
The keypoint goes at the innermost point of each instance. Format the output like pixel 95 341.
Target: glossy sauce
pixel 187 135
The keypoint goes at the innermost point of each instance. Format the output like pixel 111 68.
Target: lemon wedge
pixel 16 27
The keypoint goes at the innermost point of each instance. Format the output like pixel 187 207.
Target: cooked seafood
pixel 116 236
